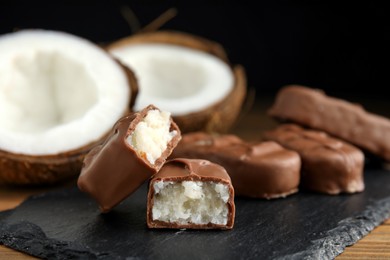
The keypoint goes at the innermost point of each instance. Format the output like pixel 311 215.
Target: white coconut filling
pixel 58 92
pixel 151 136
pixel 176 79
pixel 190 202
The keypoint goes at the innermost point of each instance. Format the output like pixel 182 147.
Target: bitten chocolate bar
pixel 189 193
pixel 261 170
pixel 135 150
pixel 350 122
pixel 329 165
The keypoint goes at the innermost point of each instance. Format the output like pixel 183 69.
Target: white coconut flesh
pixel 58 92
pixel 176 79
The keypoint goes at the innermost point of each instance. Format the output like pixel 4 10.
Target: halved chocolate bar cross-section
pixel 190 193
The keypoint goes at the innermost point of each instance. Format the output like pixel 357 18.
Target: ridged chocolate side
pixel 179 170
pixel 113 170
pixel 329 165
pixel 262 170
pixel 350 122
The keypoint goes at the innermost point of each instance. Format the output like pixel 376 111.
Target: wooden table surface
pixel 376 245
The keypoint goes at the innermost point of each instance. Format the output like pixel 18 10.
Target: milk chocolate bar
pixel 329 165
pixel 137 147
pixel 193 194
pixel 261 170
pixel 350 122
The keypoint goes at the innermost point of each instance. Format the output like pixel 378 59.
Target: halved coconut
pixel 59 95
pixel 186 75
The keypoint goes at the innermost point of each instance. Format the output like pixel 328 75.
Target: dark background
pixel 341 48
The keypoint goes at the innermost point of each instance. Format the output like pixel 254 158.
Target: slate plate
pixel 67 224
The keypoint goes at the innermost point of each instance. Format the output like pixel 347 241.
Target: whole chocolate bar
pixel 329 165
pixel 137 147
pixel 190 193
pixel 261 170
pixel 350 122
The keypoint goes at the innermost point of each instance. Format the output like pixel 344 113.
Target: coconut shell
pixel 176 38
pixel 132 80
pixel 219 117
pixel 21 169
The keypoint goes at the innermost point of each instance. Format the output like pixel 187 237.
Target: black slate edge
pixel 28 237
pixel 348 232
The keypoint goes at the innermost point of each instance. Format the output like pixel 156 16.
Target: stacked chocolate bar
pixel 329 145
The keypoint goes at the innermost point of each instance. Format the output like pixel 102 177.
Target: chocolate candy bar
pixel 329 165
pixel 188 193
pixel 135 150
pixel 350 122
pixel 262 170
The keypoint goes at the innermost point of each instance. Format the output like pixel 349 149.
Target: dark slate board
pixel 67 224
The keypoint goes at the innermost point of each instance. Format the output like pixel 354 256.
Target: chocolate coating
pixel 262 170
pixel 329 165
pixel 311 107
pixel 113 170
pixel 180 169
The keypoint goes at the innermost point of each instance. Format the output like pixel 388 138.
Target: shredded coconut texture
pixel 191 202
pixel 152 135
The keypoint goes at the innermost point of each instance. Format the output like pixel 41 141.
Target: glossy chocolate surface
pixel 345 120
pixel 178 170
pixel 329 165
pixel 261 170
pixel 113 170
